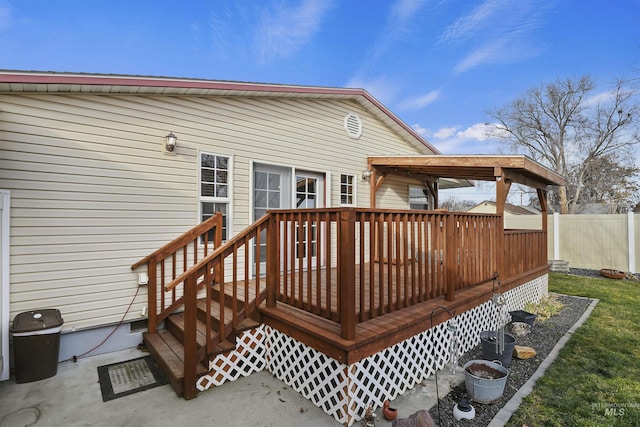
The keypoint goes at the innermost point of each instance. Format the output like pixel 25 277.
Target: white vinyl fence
pixel 589 241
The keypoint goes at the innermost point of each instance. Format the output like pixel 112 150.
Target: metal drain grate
pixel 130 376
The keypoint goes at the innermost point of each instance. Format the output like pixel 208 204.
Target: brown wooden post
pixel 190 352
pixel 347 273
pixel 433 189
pixel 217 242
pixel 375 181
pixel 273 251
pixel 372 189
pixel 502 189
pixel 451 256
pixel 542 198
pixel 152 301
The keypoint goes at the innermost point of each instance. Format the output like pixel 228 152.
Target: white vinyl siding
pixel 92 192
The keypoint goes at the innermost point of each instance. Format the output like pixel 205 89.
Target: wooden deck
pixel 347 282
pixel 380 332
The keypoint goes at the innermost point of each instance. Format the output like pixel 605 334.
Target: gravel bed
pixel 543 337
pixel 596 273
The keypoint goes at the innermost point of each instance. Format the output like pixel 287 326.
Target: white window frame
pixel 353 189
pixel 209 199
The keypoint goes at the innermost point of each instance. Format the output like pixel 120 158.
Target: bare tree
pixel 612 181
pixel 565 127
pixel 455 205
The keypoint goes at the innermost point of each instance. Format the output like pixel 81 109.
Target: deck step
pixel 214 313
pixel 246 325
pixel 175 324
pixel 223 347
pixel 168 352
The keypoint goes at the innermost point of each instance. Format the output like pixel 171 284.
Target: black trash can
pixel 36 344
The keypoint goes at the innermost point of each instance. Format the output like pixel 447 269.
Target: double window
pixel 215 182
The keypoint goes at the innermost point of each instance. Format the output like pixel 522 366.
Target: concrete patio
pixel 72 398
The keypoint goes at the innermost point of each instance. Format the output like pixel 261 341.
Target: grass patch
pixel 546 308
pixel 594 380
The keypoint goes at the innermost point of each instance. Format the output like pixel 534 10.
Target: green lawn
pixel 595 381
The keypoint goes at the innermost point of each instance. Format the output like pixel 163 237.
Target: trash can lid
pixel 31 321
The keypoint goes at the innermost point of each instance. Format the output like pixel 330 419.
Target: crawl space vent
pixel 353 125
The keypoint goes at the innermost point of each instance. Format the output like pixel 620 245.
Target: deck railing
pixel 347 265
pixel 350 265
pixel 524 250
pixel 171 261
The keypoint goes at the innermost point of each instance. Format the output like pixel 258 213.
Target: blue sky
pixel 440 65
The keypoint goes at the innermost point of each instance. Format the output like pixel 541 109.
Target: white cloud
pixel 479 138
pixel 478 132
pixel 380 88
pixel 421 130
pixel 5 16
pixel 497 32
pixel 266 31
pixel 486 54
pixel 468 25
pixel 445 133
pixel 599 98
pixel 284 31
pixel 399 27
pixel 421 101
pixel 405 10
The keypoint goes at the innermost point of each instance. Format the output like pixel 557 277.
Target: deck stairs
pixel 167 344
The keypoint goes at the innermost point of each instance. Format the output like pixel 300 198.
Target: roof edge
pixel 88 79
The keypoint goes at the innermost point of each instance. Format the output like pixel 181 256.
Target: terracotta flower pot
pixel 387 412
pixel 612 274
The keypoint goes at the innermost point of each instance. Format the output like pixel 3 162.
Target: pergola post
pixel 375 181
pixel 502 190
pixel 432 186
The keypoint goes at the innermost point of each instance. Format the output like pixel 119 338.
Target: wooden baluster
pixel 452 243
pixel 272 261
pixel 346 274
pixel 152 290
pixel 318 268
pixel 190 351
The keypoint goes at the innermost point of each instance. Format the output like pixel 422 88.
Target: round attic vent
pixel 353 125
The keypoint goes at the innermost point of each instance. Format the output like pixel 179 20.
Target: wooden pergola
pixel 503 169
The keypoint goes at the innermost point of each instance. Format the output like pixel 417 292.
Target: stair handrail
pixel 180 241
pixel 211 264
pixel 169 250
pixel 221 251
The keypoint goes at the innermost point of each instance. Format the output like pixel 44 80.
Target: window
pixel 418 198
pixel 347 189
pixel 214 189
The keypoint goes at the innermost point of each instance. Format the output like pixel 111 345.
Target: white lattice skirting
pixel 345 391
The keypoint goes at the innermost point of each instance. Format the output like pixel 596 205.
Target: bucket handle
pixel 497 361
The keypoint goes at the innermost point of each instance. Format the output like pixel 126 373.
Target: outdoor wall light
pixel 170 142
pixel 366 174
